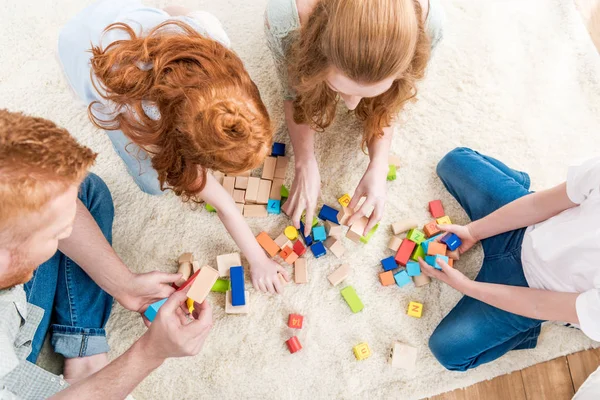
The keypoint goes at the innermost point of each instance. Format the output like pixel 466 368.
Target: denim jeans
pixel 75 308
pixel 474 332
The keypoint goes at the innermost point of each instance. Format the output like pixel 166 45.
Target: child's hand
pixel 264 275
pixel 464 233
pixel 448 275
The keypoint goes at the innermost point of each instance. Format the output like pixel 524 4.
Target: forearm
pixel 379 149
pixel 117 379
pixel 528 302
pixel 301 136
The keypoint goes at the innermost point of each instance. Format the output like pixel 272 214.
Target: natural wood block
pixel 333 229
pixel 337 248
pixel 268 171
pixel 229 184
pixel 301 271
pixel 404 225
pixel 403 356
pixel 281 240
pixel 231 309
pixel 421 280
pixel 357 229
pixel 264 189
pixel 241 182
pixel 276 189
pixel 453 255
pixel 267 243
pixel 394 243
pixel 186 257
pixel 281 167
pixel 226 261
pixel 344 215
pixel 339 274
pixel 239 196
pixel 252 189
pixel 436 248
pixel 185 269
pixel 195 266
pixel 202 284
pixel 255 210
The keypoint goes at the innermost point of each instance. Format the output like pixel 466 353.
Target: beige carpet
pixel 517 80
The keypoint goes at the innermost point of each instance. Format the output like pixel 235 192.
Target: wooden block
pixel 231 309
pixel 240 208
pixel 345 200
pixel 387 278
pixel 246 173
pixel 291 232
pixel 421 280
pixel 281 240
pixel 264 189
pixel 301 271
pixel 203 283
pixel 285 252
pixel 436 209
pixel 195 266
pixel 335 246
pixel 239 196
pixel 238 296
pixel 281 167
pixel 404 225
pixel 267 243
pixel 152 310
pixel 276 189
pixel 218 175
pixel 291 259
pixel 339 274
pixel 453 255
pixel 403 356
pixel 357 229
pixel 185 269
pixel 226 261
pixel 268 171
pixel 252 189
pixel 431 229
pixel 436 248
pixel 333 229
pixel 349 294
pixel 361 351
pixel 293 344
pixel 241 182
pixel 394 160
pixel 415 309
pixel 255 210
pixel 394 243
pixel 344 215
pixel 187 283
pixel 299 248
pixel 229 184
pixel 404 251
pixel 186 258
pixel 295 321
pixel 445 220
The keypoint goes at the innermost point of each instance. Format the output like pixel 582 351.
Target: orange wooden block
pixel 252 189
pixel 267 243
pixel 268 171
pixel 264 189
pixel 431 229
pixel 451 262
pixel 436 248
pixel 285 252
pixel 387 278
pixel 291 259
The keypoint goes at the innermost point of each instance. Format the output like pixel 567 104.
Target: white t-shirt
pixel 562 254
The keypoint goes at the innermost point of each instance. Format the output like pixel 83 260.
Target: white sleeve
pixel 209 25
pixel 583 179
pixel 588 309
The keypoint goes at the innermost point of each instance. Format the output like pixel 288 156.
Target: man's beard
pixel 20 270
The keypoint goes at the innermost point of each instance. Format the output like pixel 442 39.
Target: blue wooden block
pixel 402 278
pixel 307 239
pixel 318 249
pixel 278 149
pixel 389 263
pixel 274 206
pixel 413 268
pixel 425 244
pixel 153 308
pixel 432 260
pixel 319 234
pixel 328 214
pixel 238 297
pixel 452 241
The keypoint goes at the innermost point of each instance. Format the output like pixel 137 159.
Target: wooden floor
pixel 556 379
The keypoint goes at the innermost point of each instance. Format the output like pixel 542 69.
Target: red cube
pixel 436 209
pixel 295 321
pixel 299 248
pixel 404 251
pixel 294 344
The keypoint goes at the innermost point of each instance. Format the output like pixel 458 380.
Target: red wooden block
pixel 186 283
pixel 431 229
pixel 436 209
pixel 294 344
pixel 299 248
pixel 295 321
pixel 404 252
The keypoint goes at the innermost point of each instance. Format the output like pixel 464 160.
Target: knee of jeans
pixel 453 162
pixel 149 186
pixel 448 349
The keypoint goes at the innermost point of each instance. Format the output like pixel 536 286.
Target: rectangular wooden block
pixel 267 243
pixel 195 266
pixel 202 284
pixel 344 215
pixel 252 189
pixel 229 184
pixel 281 167
pixel 403 356
pixel 404 225
pixel 238 293
pixel 255 210
pixel 394 243
pixel 246 173
pixel 339 274
pixel 231 309
pixel 241 182
pixel 333 229
pixel 276 189
pixel 357 229
pixel 301 271
pixel 264 189
pixel 404 252
pixel 239 196
pixel 226 261
pixel 268 171
pixel 436 248
pixel 186 258
pixel 349 294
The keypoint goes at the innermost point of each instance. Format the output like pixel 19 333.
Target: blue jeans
pixel 474 332
pixel 75 308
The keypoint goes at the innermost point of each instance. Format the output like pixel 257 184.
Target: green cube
pixel 352 299
pixel 314 223
pixel 391 176
pixel 418 252
pixel 210 208
pixel 221 285
pixel 285 193
pixel 365 239
pixel 416 236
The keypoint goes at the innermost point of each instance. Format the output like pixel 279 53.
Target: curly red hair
pixel 211 113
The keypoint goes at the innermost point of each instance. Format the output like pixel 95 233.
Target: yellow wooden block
pixel 415 309
pixel 362 351
pixel 291 232
pixel 344 200
pixel 445 220
pixel 190 305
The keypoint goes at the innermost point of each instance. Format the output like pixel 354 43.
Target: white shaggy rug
pixel 516 80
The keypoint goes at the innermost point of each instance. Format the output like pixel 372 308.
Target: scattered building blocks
pixel 415 309
pixel 436 209
pixel 344 215
pixel 252 189
pixel 357 229
pixel 402 278
pixel 299 248
pixel 432 260
pixel 276 189
pixel 425 243
pixel 221 286
pixel 389 263
pixel 238 297
pixel 431 229
pixel 153 308
pixel 203 283
pixel 319 234
pixel 387 278
pixel 436 248
pixel 281 167
pixel 333 229
pixel 255 210
pixel 394 243
pixel 285 192
pixel 413 268
pixel 403 356
pixel 328 214
pixel 239 196
pixel 278 149
pixel 307 239
pixel 274 206
pixel 268 171
pixel 445 220
pixel 293 344
pixel 285 252
pixel 451 240
pixel 394 160
pixel 291 232
pixel 295 321
pixel 301 271
pixel 391 175
pixel 365 239
pixel 267 244
pixel 453 255
pixel 361 351
pixel 291 259
pixel 281 241
pixel 345 200
pixel 210 208
pixel 404 251
pixel 339 274
pixel 226 261
pixel 415 235
pixel 229 184
pixel 264 189
pixel 418 252
pixel 318 249
pixel 349 294
pixel 421 280
pixel 241 182
pixel 404 226
pixel 231 309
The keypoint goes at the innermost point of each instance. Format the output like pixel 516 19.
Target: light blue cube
pixel 274 206
pixel 402 278
pixel 319 234
pixel 413 268
pixel 153 308
pixel 432 260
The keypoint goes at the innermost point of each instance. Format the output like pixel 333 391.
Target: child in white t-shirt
pixel 542 258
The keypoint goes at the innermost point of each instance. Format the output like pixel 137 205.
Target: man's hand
pixel 263 272
pixel 141 290
pixel 464 233
pixel 304 194
pixel 373 187
pixel 448 275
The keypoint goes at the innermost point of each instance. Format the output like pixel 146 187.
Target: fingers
pixel 448 228
pixel 444 265
pixel 428 269
pixel 270 287
pixel 262 287
pixel 361 211
pixel 283 272
pixel 375 217
pixel 204 321
pixel 297 214
pixel 181 315
pixel 278 286
pixel 310 212
pixel 355 198
pixel 174 301
pixel 145 321
pixel 165 277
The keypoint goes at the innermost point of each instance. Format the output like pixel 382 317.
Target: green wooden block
pixel 285 192
pixel 418 252
pixel 210 208
pixel 221 285
pixel 352 299
pixel 391 176
pixel 365 239
pixel 314 223
pixel 416 236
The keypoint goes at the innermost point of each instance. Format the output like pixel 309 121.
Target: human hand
pixel 373 187
pixel 448 275
pixel 464 232
pixel 175 334
pixel 141 290
pixel 263 272
pixel 304 194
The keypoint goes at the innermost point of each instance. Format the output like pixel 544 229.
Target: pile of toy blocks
pixel 258 196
